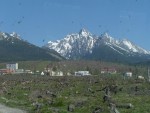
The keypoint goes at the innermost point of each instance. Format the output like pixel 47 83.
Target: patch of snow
pixel 121 47
pixel 13 34
pixel 5 36
pixel 130 46
pixel 114 48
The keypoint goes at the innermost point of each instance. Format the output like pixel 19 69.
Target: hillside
pixel 13 48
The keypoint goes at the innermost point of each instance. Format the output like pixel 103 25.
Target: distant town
pixel 13 68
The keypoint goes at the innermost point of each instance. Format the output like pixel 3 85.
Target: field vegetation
pixel 47 94
pixel 77 94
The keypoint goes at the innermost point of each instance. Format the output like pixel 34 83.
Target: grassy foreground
pixel 45 94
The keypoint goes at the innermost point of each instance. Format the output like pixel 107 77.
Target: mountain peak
pixel 15 35
pixel 105 35
pixel 7 36
pixel 84 32
pixel 107 38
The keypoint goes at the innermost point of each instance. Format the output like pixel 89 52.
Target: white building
pixel 128 74
pixel 56 73
pixel 108 70
pixel 42 73
pixel 82 73
pixel 18 71
pixel 28 71
pixel 12 66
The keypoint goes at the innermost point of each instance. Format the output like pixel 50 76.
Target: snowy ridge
pixel 84 42
pixel 7 36
pixel 78 43
pixel 132 47
pixel 15 35
pixel 114 48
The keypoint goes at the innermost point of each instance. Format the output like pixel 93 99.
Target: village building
pixel 108 71
pixel 68 74
pixel 12 66
pixel 140 77
pixel 128 74
pixel 19 71
pixel 50 72
pixel 42 73
pixel 5 71
pixel 82 73
pixel 56 73
pixel 47 70
pixel 28 71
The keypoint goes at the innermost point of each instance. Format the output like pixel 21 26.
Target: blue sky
pixel 39 21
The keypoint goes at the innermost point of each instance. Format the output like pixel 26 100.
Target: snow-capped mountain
pixel 124 45
pixel 74 45
pixel 7 36
pixel 85 45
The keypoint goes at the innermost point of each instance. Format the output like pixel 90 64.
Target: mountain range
pixel 84 45
pixel 76 46
pixel 13 48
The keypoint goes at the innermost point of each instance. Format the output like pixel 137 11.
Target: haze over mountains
pixel 84 45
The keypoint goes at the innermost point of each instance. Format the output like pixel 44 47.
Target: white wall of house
pixel 12 66
pixel 19 71
pixel 42 73
pixel 140 77
pixel 28 71
pixel 56 73
pixel 82 73
pixel 128 74
pixel 109 70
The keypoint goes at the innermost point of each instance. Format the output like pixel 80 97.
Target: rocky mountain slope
pixel 13 48
pixel 84 45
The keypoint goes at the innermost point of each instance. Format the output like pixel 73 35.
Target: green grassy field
pixel 46 94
